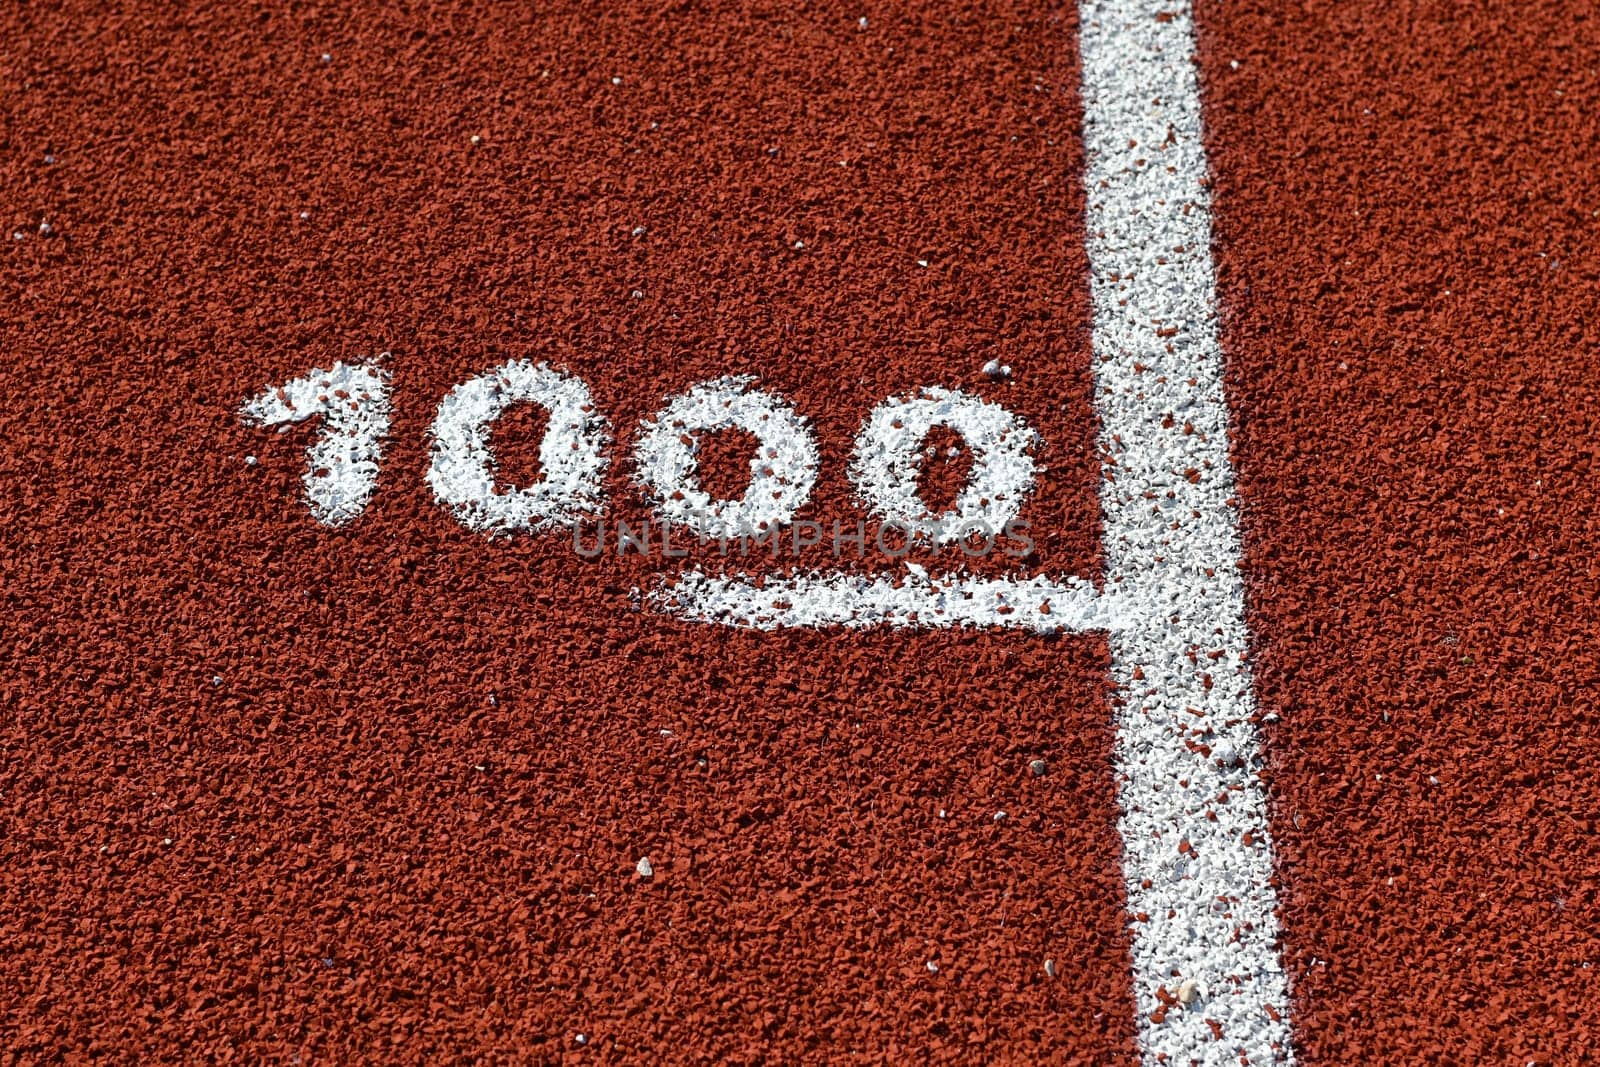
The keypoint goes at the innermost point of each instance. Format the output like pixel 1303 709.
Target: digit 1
pixel 342 463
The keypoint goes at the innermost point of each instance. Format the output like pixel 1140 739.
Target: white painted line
pixel 914 599
pixel 1186 748
pixel 342 463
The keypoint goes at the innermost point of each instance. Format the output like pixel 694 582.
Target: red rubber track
pixel 273 791
pixel 345 851
pixel 1409 246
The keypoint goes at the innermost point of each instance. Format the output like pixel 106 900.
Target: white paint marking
pixel 912 600
pixel 782 471
pixel 1197 853
pixel 888 457
pixel 572 457
pixel 1172 549
pixel 342 463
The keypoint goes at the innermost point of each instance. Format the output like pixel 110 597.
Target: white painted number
pixel 888 457
pixel 342 463
pixel 342 467
pixel 782 471
pixel 571 455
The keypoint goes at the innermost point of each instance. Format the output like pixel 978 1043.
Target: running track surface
pixel 275 791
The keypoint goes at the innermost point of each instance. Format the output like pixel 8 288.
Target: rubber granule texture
pixel 1407 238
pixel 277 793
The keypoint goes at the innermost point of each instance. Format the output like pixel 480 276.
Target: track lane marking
pixel 1198 870
pixel 913 599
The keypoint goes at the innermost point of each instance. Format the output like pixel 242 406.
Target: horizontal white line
pixel 912 598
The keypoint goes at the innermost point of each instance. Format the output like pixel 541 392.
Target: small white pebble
pixel 250 461
pixel 862 22
pixel 475 139
pixel 17 236
pixel 216 679
pixel 493 700
pixel 799 246
pixel 1234 63
pixel 994 370
pixel 166 840
pixel 1189 992
pixel 45 229
pixel 922 263
pixel 638 294
pixel 616 81
pixel 325 58
pixel 49 160
pixel 941 813
pixel 581 1039
pixel 638 231
pixel 1038 768
pixel 933 967
pixel 999 816
pixel 645 868
pixel 1050 968
pixel 664 732
pixel 305 214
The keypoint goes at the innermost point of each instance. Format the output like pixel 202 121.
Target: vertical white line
pixel 1197 855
